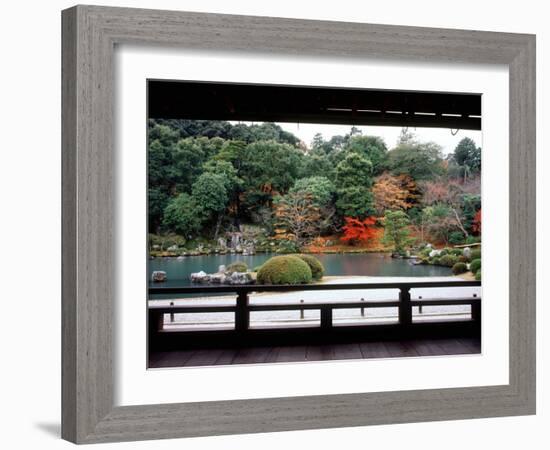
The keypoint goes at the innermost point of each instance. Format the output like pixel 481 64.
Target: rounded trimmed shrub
pixel 448 260
pixel 476 254
pixel 463 259
pixel 475 265
pixel 237 266
pixel 456 252
pixel 459 268
pixel 317 269
pixel 286 269
pixel 478 275
pixel 435 260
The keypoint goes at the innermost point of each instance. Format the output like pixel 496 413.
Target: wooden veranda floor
pixel 363 350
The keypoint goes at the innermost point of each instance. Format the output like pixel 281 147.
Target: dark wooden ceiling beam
pixel 273 103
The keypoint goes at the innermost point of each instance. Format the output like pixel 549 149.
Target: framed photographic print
pixel 277 224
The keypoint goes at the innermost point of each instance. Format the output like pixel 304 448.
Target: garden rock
pixel 240 278
pixel 200 277
pixel 158 276
pixel 218 278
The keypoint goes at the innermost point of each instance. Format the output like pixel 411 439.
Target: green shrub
pixel 286 269
pixel 476 254
pixel 256 269
pixel 435 260
pixel 456 237
pixel 287 246
pixel 443 252
pixel 448 260
pixel 459 268
pixel 463 259
pixel 456 252
pixel 478 275
pixel 475 265
pixel 472 240
pixel 237 266
pixel 317 269
pixel 166 240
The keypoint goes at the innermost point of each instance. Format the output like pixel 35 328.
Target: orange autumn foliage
pixel 476 223
pixel 394 192
pixel 318 245
pixel 359 231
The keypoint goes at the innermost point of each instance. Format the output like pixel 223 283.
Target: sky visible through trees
pixel 390 135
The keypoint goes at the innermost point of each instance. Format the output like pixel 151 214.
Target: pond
pixel 360 264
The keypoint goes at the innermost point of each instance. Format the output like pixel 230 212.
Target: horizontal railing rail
pixel 242 306
pixel 307 287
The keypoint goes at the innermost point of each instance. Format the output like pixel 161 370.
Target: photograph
pixel 296 224
pixel 270 225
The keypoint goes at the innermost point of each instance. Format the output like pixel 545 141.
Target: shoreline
pixel 325 252
pixel 340 279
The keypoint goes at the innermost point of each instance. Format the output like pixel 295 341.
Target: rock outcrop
pixel 235 278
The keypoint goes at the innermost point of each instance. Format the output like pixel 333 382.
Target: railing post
pixel 405 308
pixel 156 320
pixel 155 323
pixel 326 318
pixel 242 314
pixel 476 311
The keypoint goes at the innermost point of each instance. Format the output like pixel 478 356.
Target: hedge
pixel 475 265
pixel 286 269
pixel 237 266
pixel 448 260
pixel 459 268
pixel 317 269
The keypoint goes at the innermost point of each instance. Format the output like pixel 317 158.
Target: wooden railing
pixel 242 307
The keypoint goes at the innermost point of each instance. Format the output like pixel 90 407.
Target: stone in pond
pixel 240 278
pixel 218 278
pixel 200 277
pixel 159 276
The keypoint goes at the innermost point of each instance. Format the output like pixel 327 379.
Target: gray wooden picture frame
pixel 89 35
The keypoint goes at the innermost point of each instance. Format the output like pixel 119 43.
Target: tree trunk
pixel 459 222
pixel 218 223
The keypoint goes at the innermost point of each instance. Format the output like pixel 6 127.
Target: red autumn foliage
pixel 356 230
pixel 476 223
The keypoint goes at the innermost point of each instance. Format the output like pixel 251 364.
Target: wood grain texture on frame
pixel 89 34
